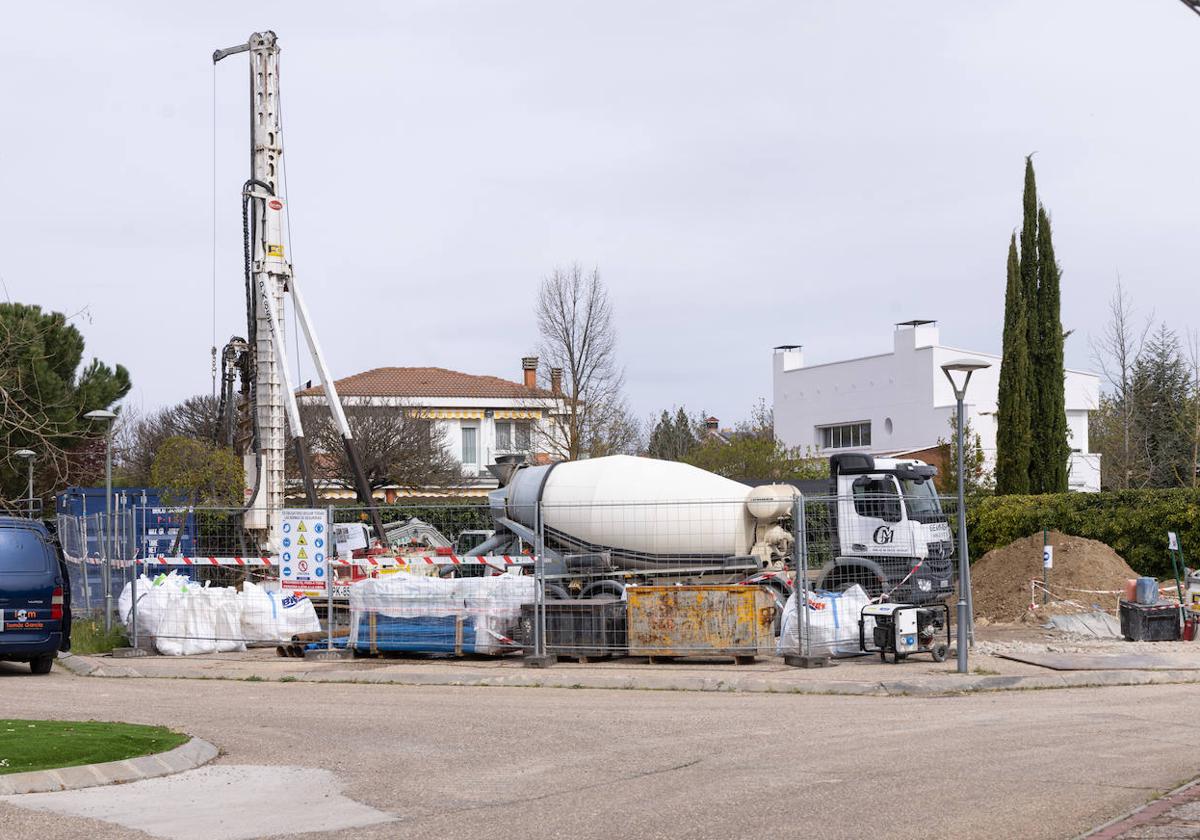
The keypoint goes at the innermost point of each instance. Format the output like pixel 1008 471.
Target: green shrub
pixel 1134 523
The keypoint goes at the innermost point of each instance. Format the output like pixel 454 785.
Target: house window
pixel 470 445
pixel 512 436
pixel 845 436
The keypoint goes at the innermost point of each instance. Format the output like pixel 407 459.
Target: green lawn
pixel 46 744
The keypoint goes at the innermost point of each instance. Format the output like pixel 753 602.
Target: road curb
pixel 917 686
pixel 76 664
pixel 195 753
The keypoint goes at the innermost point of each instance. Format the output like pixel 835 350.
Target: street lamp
pixel 107 416
pixel 28 455
pixel 964 368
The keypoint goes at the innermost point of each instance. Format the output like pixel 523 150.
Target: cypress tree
pixel 1013 421
pixel 1029 290
pixel 1051 447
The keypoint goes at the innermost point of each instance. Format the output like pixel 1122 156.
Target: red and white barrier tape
pixel 382 562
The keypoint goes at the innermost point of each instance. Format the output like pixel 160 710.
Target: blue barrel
pixel 1147 590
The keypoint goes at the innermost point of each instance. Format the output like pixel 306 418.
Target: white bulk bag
pixel 273 616
pixel 832 622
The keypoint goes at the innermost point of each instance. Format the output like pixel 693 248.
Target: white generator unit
pixel 904 629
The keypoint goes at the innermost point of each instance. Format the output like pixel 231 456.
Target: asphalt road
pixel 499 762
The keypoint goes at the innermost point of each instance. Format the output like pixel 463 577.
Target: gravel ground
pixel 488 762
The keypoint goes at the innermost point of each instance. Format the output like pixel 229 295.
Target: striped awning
pixel 518 414
pixel 450 413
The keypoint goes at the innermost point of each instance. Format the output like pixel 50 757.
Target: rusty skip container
pixel 666 621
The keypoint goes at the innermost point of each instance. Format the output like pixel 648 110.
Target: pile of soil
pixel 1000 579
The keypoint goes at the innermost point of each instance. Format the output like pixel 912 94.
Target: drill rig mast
pixel 262 357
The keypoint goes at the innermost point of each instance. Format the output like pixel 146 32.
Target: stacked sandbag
pixel 185 618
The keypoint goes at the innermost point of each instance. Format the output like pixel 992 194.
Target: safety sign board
pixel 303 546
pixel 1047 557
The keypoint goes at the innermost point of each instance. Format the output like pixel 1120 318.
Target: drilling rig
pixel 253 418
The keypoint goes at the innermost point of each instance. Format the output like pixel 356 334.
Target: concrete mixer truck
pixel 619 520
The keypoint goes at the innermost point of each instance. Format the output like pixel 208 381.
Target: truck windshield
pixel 920 497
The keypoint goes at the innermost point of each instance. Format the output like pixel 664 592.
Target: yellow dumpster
pixel 667 621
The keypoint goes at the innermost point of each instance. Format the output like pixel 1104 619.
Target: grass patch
pixel 44 744
pixel 88 636
pixel 985 672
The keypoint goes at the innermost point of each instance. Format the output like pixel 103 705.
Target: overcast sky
pixel 743 175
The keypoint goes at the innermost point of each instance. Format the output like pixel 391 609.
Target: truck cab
pixel 892 536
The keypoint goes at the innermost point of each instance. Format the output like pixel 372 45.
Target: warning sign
pixel 302 562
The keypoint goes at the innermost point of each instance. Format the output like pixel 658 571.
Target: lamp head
pixel 25 454
pixel 100 414
pixel 964 367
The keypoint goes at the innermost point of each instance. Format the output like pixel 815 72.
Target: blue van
pixel 34 615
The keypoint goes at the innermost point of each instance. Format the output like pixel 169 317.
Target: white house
pixel 900 401
pixel 483 417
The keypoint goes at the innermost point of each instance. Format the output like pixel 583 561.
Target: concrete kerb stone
pixel 195 753
pixel 924 685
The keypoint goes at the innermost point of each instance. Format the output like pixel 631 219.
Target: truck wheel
pixel 939 653
pixel 604 590
pixel 841 578
pixel 41 664
pixel 554 592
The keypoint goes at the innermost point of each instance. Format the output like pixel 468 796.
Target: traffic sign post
pixel 304 550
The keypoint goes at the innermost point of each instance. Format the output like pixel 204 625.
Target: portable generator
pixel 902 630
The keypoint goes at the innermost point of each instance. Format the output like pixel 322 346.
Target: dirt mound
pixel 1000 579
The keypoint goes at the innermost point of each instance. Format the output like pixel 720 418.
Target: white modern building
pixel 900 402
pixel 483 417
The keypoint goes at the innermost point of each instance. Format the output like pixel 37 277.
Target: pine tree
pixel 1013 424
pixel 1051 447
pixel 672 438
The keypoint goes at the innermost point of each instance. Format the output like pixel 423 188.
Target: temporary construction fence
pixel 711 578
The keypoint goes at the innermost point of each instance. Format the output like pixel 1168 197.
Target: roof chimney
pixel 529 367
pixel 556 381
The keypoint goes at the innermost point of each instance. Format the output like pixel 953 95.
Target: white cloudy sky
pixel 743 174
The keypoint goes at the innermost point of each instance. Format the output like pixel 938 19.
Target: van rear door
pixel 29 579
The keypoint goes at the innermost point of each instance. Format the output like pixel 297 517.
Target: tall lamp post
pixel 107 416
pixel 27 455
pixel 957 371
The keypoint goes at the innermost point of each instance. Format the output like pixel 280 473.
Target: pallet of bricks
pixel 405 613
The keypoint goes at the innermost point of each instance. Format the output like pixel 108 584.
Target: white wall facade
pixel 908 402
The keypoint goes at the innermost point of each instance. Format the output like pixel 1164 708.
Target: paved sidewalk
pixel 859 676
pixel 1175 815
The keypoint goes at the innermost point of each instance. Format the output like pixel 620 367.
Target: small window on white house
pixel 470 448
pixel 845 436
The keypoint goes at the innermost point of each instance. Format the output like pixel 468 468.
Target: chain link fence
pixel 714 580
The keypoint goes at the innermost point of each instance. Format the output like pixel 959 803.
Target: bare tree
pixel 1116 352
pixel 1193 362
pixel 578 338
pixel 396 446
pixel 139 436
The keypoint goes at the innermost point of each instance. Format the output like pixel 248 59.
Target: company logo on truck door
pixel 883 535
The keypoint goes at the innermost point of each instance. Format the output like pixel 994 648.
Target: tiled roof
pixel 426 382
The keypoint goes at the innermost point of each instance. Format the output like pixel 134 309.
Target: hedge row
pixel 1133 522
